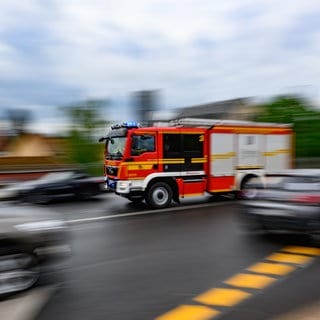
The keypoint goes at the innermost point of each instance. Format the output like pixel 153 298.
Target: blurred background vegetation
pixel 86 124
pixel 305 119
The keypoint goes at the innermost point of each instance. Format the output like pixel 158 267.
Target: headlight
pixel 40 225
pixel 124 184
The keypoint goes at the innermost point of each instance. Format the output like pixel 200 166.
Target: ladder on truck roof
pixel 207 123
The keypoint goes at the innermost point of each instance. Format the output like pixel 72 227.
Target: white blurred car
pixel 287 201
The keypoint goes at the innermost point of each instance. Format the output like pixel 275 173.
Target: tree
pixel 85 121
pixel 305 120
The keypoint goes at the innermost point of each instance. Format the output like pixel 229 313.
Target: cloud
pixel 54 52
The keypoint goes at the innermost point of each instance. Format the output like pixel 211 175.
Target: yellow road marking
pixel 222 297
pixel 188 312
pixel 253 281
pixel 303 250
pixel 289 258
pixel 228 297
pixel 271 268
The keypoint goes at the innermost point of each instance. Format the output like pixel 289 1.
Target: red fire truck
pixel 192 157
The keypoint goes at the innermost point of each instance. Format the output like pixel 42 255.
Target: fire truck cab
pixel 192 157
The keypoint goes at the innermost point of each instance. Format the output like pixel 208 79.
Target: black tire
pixel 39 197
pixel 91 192
pixel 159 195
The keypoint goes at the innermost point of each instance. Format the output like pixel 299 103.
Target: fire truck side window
pixel 192 143
pixel 182 148
pixel 141 144
pixel 171 145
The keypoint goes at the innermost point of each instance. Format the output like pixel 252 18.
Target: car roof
pixel 296 172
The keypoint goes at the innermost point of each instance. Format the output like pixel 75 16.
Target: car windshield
pixel 115 147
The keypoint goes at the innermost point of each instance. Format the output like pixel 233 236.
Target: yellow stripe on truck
pixel 276 152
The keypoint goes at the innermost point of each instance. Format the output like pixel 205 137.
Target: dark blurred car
pixel 54 186
pixel 31 240
pixel 287 201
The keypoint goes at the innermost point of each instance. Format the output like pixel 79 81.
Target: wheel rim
pixel 249 193
pixel 160 196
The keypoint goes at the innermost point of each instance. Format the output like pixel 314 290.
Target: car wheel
pixel 88 193
pixel 159 195
pixel 39 197
pixel 247 190
pixel 18 271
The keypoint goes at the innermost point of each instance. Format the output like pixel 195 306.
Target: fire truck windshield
pixel 115 148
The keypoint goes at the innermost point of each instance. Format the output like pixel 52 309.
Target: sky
pixel 56 52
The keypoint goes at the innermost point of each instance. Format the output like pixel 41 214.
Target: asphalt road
pixel 182 263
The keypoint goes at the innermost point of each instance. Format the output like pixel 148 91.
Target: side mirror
pixel 104 138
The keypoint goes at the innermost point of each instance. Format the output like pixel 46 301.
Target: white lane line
pixel 26 306
pixel 140 213
pixel 103 263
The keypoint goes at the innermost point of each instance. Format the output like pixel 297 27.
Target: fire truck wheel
pixel 159 195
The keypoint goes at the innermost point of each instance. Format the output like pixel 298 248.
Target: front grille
pixel 112 171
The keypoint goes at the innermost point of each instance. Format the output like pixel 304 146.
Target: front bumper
pixel 124 187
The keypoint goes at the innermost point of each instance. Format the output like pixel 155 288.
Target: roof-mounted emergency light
pixel 128 125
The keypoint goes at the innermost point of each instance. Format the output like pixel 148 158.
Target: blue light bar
pixel 130 124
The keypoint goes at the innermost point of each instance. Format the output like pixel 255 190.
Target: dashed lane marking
pixel 302 250
pixel 140 213
pixel 235 289
pixel 185 312
pixel 289 258
pixel 271 268
pixel 222 297
pixel 252 281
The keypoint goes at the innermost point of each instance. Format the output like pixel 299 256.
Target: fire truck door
pixel 183 152
pixel 143 156
pixel 173 156
pixel 192 145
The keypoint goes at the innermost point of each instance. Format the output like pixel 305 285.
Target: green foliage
pixel 305 120
pixel 85 122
